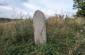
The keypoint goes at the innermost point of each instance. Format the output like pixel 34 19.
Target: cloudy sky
pixel 10 7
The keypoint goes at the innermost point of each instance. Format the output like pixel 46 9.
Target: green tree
pixel 80 5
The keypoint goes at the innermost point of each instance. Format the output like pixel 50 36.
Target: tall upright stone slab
pixel 39 28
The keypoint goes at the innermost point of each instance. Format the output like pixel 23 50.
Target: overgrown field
pixel 64 37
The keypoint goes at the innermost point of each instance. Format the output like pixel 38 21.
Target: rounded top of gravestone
pixel 38 14
pixel 38 11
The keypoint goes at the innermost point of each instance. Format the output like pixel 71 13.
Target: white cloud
pixel 49 7
pixel 10 12
pixel 6 7
pixel 31 6
pixel 57 5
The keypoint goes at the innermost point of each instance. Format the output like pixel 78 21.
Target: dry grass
pixel 64 33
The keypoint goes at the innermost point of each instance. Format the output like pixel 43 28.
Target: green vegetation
pixel 64 37
pixel 80 5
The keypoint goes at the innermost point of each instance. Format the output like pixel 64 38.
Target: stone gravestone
pixel 39 28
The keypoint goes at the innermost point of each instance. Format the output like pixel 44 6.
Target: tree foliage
pixel 80 5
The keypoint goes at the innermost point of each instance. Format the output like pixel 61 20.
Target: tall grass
pixel 64 37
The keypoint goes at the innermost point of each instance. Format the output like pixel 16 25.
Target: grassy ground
pixel 64 37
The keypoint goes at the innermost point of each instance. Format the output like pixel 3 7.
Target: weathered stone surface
pixel 39 28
